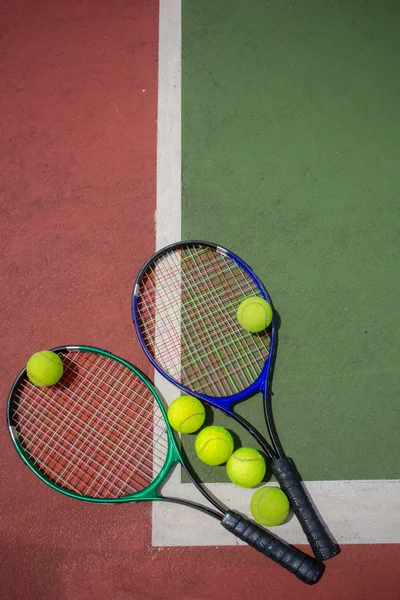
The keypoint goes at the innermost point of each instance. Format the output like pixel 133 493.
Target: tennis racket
pixel 101 434
pixel 184 307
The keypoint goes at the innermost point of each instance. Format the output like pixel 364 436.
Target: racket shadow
pixel 269 416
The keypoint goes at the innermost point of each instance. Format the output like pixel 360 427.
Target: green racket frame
pixel 304 567
pixel 150 492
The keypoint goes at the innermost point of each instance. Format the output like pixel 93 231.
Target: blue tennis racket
pixel 184 307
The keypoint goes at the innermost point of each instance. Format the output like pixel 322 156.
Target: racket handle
pixel 288 477
pixel 304 567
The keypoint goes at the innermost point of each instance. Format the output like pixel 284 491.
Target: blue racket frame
pixel 261 383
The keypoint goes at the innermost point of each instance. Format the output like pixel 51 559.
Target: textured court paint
pixel 62 549
pixel 168 215
pixel 368 524
pixel 290 128
pixel 358 512
pixel 77 201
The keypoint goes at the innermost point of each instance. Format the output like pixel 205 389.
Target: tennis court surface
pixel 273 130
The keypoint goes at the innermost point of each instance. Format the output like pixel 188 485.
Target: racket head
pixel 100 434
pixel 205 283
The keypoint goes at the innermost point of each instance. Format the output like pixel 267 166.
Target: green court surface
pixel 291 149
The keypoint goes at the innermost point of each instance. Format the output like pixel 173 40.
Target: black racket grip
pixel 288 477
pixel 304 567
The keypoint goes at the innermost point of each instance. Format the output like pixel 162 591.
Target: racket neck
pixel 269 420
pixel 253 431
pixel 195 479
pixel 195 505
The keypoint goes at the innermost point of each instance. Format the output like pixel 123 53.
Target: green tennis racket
pixel 101 434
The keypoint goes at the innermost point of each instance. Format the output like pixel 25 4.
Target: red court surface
pixel 78 163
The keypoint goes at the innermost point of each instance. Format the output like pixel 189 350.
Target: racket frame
pixel 283 467
pixel 262 380
pixel 148 493
pixel 304 567
pixel 260 385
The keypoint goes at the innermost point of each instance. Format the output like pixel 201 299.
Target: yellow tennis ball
pixel 44 368
pixel 254 314
pixel 186 414
pixel 214 445
pixel 246 467
pixel 269 506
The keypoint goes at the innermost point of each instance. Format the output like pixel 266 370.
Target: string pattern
pixel 98 432
pixel 187 312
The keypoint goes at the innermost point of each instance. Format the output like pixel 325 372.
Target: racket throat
pixel 195 505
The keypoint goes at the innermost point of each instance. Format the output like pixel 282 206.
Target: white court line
pixel 357 512
pixel 168 210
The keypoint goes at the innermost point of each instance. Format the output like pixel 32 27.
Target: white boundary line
pixel 358 512
pixel 168 209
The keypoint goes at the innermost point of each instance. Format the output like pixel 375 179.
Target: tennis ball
pixel 186 414
pixel 269 506
pixel 44 368
pixel 254 314
pixel 246 467
pixel 214 445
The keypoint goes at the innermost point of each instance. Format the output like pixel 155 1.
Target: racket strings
pixel 98 432
pixel 167 306
pixel 221 350
pixel 149 287
pixel 196 354
pixel 187 309
pixel 101 419
pixel 55 439
pixel 55 435
pixel 77 457
pixel 214 358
